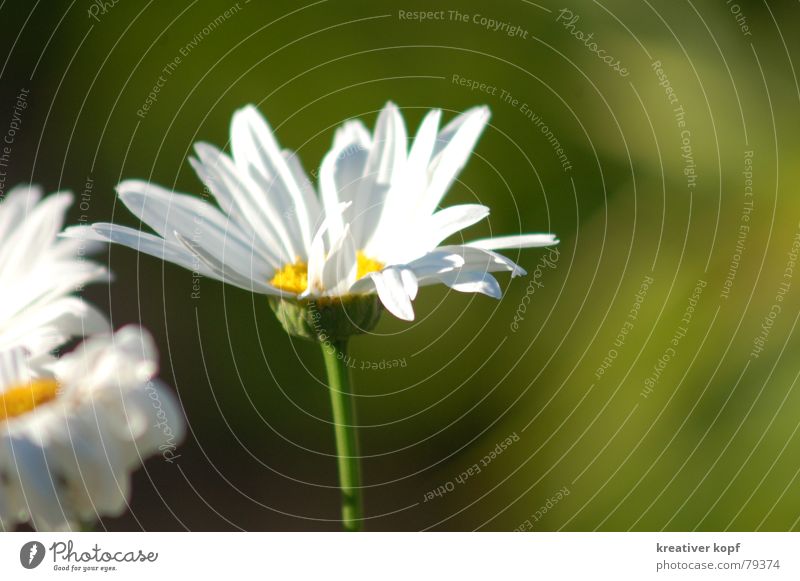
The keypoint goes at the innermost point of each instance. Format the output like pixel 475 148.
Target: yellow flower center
pixel 293 277
pixel 366 265
pixel 25 398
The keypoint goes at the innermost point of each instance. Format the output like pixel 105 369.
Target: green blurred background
pixel 714 443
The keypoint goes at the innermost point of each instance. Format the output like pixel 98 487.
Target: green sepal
pixel 328 318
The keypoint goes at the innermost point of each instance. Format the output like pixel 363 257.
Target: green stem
pixel 344 424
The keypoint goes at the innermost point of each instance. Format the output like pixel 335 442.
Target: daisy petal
pixel 13 368
pixel 385 166
pixel 392 293
pixel 164 210
pixel 483 260
pixel 449 132
pixel 399 210
pixel 520 241
pixel 341 265
pixel 459 139
pixel 254 146
pixel 410 282
pixel 316 254
pixel 307 188
pixel 446 222
pixel 30 243
pixel 139 241
pixel 472 282
pixel 17 203
pixel 334 188
pixel 268 221
pixel 168 212
pixel 225 272
pixel 419 156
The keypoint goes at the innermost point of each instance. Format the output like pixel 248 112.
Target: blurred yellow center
pixel 293 277
pixel 25 398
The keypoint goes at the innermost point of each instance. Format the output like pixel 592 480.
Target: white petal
pixel 141 242
pixel 254 145
pixel 45 282
pixel 398 213
pixel 33 237
pixel 40 494
pixel 226 272
pixel 164 211
pixel 329 190
pixel 481 259
pixel 472 282
pixel 424 142
pixel 197 221
pixel 267 220
pixel 17 204
pixel 45 328
pixel 309 194
pixel 453 219
pixel 13 367
pixel 316 254
pixel 449 132
pixel 341 266
pixel 392 293
pixel 410 282
pixel 459 138
pixel 385 165
pixel 520 241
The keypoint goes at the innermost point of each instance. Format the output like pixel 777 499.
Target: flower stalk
pixel 339 386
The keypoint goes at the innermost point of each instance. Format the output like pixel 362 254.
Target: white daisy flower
pixel 72 432
pixel 38 271
pixel 376 227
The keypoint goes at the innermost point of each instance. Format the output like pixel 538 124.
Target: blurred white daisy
pixel 72 432
pixel 38 273
pixel 376 226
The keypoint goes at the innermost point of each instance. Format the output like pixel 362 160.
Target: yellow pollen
pixel 293 277
pixel 366 265
pixel 25 398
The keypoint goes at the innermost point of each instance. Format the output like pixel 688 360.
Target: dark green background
pixel 713 447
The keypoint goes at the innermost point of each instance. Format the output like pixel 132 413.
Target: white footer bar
pixel 402 556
